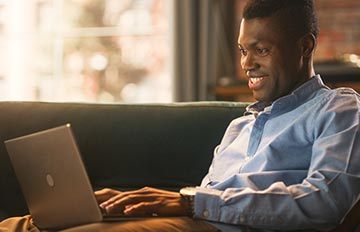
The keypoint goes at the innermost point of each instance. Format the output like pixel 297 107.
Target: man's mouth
pixel 256 82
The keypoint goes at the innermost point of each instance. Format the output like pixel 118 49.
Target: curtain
pixel 203 46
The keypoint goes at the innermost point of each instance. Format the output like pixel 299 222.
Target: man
pixel 293 161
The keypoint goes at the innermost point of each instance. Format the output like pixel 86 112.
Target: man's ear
pixel 308 43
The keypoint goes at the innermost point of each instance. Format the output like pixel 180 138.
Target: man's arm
pixel 331 188
pixel 320 201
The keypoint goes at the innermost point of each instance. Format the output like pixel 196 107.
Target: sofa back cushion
pixel 122 146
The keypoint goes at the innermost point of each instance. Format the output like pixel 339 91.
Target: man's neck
pixel 307 74
pixel 311 71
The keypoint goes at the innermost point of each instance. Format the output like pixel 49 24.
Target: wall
pixel 339 28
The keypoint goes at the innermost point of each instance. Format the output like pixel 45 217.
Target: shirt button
pixel 206 213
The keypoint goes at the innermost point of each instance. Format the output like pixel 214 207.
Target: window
pixel 85 51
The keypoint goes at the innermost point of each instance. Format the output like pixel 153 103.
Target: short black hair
pixel 297 16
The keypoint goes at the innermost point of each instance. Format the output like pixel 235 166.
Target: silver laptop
pixel 53 179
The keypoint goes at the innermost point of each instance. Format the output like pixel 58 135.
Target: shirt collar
pixel 301 93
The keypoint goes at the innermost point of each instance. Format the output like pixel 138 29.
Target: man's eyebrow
pixel 252 44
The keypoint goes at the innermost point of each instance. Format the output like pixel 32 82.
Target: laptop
pixel 53 179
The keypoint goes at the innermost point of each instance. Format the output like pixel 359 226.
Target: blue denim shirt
pixel 292 165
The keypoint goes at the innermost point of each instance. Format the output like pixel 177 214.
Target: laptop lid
pixel 53 178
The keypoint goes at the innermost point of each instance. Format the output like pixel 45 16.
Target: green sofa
pixel 126 146
pixel 123 146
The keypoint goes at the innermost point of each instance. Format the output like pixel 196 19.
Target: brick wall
pixel 339 28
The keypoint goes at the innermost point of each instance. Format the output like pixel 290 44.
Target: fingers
pixel 161 207
pixel 112 198
pixel 143 208
pixel 107 191
pixel 105 194
pixel 120 201
pixel 145 201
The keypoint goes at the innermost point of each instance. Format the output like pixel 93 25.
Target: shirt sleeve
pixel 320 201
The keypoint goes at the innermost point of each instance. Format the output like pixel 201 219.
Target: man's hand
pixel 105 194
pixel 142 202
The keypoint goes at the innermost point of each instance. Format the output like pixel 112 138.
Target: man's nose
pixel 248 62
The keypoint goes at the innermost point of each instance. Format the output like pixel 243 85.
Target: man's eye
pixel 242 51
pixel 262 51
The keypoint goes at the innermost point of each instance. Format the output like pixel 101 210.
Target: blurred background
pixel 148 51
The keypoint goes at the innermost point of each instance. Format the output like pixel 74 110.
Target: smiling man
pixel 275 59
pixel 292 162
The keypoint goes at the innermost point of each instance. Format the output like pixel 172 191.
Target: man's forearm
pixel 303 206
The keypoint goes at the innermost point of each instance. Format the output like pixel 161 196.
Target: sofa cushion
pixel 123 146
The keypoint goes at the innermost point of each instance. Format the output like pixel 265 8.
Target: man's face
pixel 271 59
